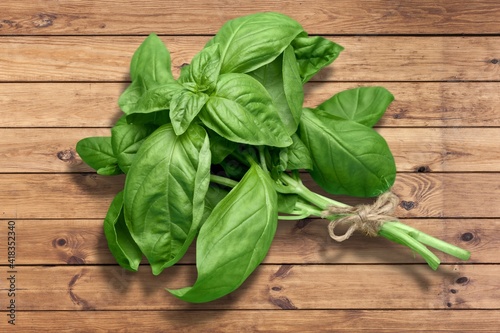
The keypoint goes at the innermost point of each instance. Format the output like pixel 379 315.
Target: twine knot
pixel 366 218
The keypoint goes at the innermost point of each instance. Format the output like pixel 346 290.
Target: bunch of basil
pixel 215 153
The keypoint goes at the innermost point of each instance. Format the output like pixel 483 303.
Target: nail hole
pixel 423 168
pixel 61 242
pixel 408 205
pixel 467 237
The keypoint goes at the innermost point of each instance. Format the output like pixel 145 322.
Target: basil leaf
pixel 152 80
pixel 234 239
pixel 184 107
pixel 286 202
pixel 165 191
pixel 220 147
pixel 282 80
pixel 97 152
pixel 241 110
pixel 364 105
pixel 298 155
pixel 151 61
pixel 120 242
pixel 126 139
pixel 276 160
pixel 314 53
pixel 110 170
pixel 157 118
pixel 233 168
pixel 212 198
pixel 348 158
pixel 138 99
pixel 249 42
pixel 204 69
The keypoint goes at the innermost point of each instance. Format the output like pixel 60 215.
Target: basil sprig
pixel 214 155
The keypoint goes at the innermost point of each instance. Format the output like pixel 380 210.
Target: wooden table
pixel 63 65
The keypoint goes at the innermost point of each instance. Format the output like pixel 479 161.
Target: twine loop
pixel 366 218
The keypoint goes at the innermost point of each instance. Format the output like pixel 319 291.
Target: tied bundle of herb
pixel 215 155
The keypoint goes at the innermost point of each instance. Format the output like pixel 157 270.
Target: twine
pixel 366 218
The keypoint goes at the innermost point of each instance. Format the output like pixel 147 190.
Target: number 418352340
pixel 11 244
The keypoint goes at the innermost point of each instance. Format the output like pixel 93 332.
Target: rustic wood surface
pixel 63 65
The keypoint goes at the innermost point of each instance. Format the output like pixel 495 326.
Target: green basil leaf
pixel 152 80
pixel 184 107
pixel 204 69
pixel 276 160
pixel 364 105
pixel 156 118
pixel 220 147
pixel 241 110
pixel 151 61
pixel 294 91
pixel 138 99
pixel 120 242
pixel 97 152
pixel 165 191
pixel 298 155
pixel 314 53
pixel 249 42
pixel 234 239
pixel 348 158
pixel 282 80
pixel 233 168
pixel 126 139
pixel 110 170
pixel 286 202
pixel 212 198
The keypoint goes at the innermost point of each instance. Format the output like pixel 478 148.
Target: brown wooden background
pixel 63 65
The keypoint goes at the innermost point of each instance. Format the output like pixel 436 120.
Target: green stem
pixel 394 231
pixel 262 158
pixel 292 217
pixel 302 210
pixel 316 199
pixel 308 209
pixel 223 181
pixel 397 235
pixel 429 240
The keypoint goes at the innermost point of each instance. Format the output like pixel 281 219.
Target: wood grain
pixel 107 58
pixel 417 104
pixel 84 17
pixel 48 196
pixel 63 65
pixel 67 241
pixel 269 287
pixel 269 321
pixel 420 150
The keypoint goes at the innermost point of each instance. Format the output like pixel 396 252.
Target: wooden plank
pixel 57 196
pixel 269 287
pixel 270 321
pixel 414 149
pixel 60 242
pixel 416 104
pixel 205 17
pixel 28 196
pixel 74 104
pixel 107 58
pixel 453 149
